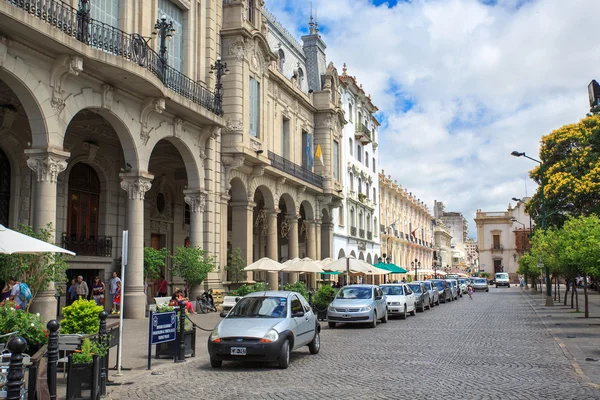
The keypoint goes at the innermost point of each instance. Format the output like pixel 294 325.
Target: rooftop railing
pixel 295 170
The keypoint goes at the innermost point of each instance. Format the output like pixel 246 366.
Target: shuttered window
pixel 254 106
pixel 336 160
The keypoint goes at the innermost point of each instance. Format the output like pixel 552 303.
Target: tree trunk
pixel 555 285
pixel 576 298
pixel 573 288
pixel 585 298
pixel 566 291
pixel 558 287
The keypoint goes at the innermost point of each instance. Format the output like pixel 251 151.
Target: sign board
pixel 163 327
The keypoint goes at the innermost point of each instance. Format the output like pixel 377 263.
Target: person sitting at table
pixel 189 306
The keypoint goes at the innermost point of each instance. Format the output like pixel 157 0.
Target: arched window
pixel 352 220
pixel 367 159
pixel 4 188
pixel 374 195
pixel 251 11
pixel 351 181
pixel 358 153
pixel 359 185
pixel 280 60
pixel 351 144
pixel 360 220
pixel 375 227
pixel 84 195
pixel 300 78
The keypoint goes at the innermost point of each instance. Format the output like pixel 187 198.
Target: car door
pixel 380 299
pixel 302 330
pixel 410 298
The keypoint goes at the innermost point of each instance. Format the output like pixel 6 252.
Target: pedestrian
pixel 189 307
pixel 117 299
pixel 72 292
pixel 98 289
pixel 15 294
pixel 114 282
pixel 470 291
pixel 5 292
pixel 81 288
pixel 521 282
pixel 163 285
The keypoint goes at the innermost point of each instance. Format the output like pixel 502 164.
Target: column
pixel 311 251
pixel 327 241
pixel 272 247
pixel 224 201
pixel 196 199
pixel 47 164
pixel 293 243
pixel 241 235
pixel 318 240
pixel 136 184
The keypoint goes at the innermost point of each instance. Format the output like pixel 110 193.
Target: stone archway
pixel 369 259
pixel 361 256
pixel 341 254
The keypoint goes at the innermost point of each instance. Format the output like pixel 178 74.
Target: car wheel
pixel 423 307
pixel 414 311
pixel 385 317
pixel 496 286
pixel 331 325
pixel 487 290
pixel 374 323
pixel 509 286
pixel 403 315
pixel 216 363
pixel 284 355
pixel 429 305
pixel 437 303
pixel 315 345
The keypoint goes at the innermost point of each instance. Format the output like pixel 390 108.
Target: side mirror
pixel 237 299
pixel 378 297
pixel 298 314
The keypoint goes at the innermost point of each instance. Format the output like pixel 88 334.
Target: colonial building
pixel 502 238
pixel 455 222
pixel 357 221
pixel 406 227
pixel 281 101
pixel 106 128
pixel 443 247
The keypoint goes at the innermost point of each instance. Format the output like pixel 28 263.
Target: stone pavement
pixel 500 345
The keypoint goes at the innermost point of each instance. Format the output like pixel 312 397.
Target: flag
pixel 319 154
pixel 413 233
pixel 309 151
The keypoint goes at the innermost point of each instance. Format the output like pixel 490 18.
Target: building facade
pixel 356 226
pixel 443 247
pixel 406 227
pixel 455 222
pixel 281 101
pixel 104 129
pixel 502 238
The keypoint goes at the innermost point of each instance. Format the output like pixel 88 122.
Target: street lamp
pixel 164 30
pixel 220 69
pixel 416 264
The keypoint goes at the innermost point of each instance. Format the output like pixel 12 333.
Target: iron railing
pixel 295 170
pixel 362 130
pixel 361 233
pixel 100 246
pixel 370 235
pixel 132 47
pixel 353 230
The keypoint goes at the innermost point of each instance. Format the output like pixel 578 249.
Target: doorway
pixel 498 266
pixel 157 242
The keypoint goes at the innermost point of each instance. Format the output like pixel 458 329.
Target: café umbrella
pixel 348 264
pixel 304 265
pixel 265 264
pixel 13 242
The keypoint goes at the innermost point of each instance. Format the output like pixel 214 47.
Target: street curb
pixel 576 367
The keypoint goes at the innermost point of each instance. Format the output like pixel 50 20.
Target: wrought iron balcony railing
pixel 100 246
pixel 370 235
pixel 295 170
pixel 362 133
pixel 353 230
pixel 132 47
pixel 361 233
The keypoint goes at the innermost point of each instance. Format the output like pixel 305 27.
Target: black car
pixel 422 300
pixel 444 289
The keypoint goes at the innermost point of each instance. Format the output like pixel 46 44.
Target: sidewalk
pixel 578 337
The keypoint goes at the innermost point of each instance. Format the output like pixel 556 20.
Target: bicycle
pixel 204 303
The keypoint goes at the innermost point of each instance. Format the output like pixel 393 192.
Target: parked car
pixel 265 326
pixel 422 301
pixel 502 279
pixel 480 284
pixel 463 283
pixel 434 294
pixel 453 288
pixel 358 304
pixel 444 290
pixel 400 299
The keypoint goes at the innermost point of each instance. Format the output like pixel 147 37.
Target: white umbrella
pixel 304 265
pixel 291 261
pixel 12 242
pixel 265 264
pixel 348 264
pixel 377 271
pixel 325 261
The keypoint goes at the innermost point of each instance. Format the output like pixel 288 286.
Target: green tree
pixel 192 264
pixel 154 260
pixel 235 267
pixel 38 270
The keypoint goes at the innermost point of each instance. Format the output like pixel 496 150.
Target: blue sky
pixel 460 84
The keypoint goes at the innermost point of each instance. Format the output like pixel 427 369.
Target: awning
pixel 393 268
pixel 331 273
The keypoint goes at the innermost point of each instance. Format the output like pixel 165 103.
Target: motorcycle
pixel 205 302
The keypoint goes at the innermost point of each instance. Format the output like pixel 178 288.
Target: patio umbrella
pixel 291 261
pixel 325 261
pixel 13 242
pixel 348 264
pixel 304 265
pixel 393 268
pixel 377 271
pixel 265 264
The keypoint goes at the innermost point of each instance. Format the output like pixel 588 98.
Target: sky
pixel 460 84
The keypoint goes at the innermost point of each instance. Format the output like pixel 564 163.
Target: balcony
pixel 362 133
pixel 353 231
pixel 131 47
pixel 295 170
pixel 361 233
pixel 370 235
pixel 100 246
pixel 382 228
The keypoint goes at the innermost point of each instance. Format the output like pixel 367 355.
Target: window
pixel 300 78
pixel 336 160
pixel 254 106
pixel 350 112
pixel 251 11
pixel 374 195
pixel 367 159
pixel 496 245
pixel 285 140
pixel 84 194
pixel 358 152
pixel 307 150
pixel 375 227
pixel 341 216
pixel 359 185
pixel 374 167
pixel 351 144
pixel 175 44
pixel 360 220
pixel 280 60
pixel 297 305
pixel 352 220
pixel 351 181
pixel 368 222
pixel 106 11
pixel 367 189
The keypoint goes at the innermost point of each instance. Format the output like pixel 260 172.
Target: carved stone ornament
pixel 236 49
pixel 8 120
pixel 177 127
pixel 255 145
pixel 108 95
pixel 215 132
pixel 92 149
pixel 150 105
pixel 231 162
pixel 136 186
pixel 3 49
pixel 47 166
pixel 234 126
pixel 63 66
pixel 195 199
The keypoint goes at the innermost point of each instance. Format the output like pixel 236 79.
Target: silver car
pixel 400 299
pixel 265 326
pixel 358 304
pixel 434 294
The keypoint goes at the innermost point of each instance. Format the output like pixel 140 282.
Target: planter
pixel 83 380
pixel 168 349
pixel 321 314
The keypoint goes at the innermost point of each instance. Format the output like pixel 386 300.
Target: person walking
pixel 117 299
pixel 470 291
pixel 81 288
pixel 5 292
pixel 114 283
pixel 98 289
pixel 163 285
pixel 15 294
pixel 72 292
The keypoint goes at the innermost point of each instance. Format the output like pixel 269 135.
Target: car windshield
pixel 260 307
pixel 439 285
pixel 354 293
pixel 479 280
pixel 428 285
pixel 501 276
pixel 392 290
pixel 461 281
pixel 415 287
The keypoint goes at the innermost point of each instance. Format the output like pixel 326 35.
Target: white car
pixel 400 299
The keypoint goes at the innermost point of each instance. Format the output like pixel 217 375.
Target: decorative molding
pixel 150 105
pixel 108 95
pixel 135 185
pixel 237 49
pixel 257 170
pixel 255 145
pixel 63 66
pixel 196 199
pixel 231 162
pixel 234 126
pixel 3 49
pixel 47 164
pixel 215 132
pixel 177 127
pixel 92 149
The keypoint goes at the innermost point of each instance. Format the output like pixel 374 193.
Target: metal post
pixel 181 352
pixel 52 355
pixel 104 360
pixel 15 382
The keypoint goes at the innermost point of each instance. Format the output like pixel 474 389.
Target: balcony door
pixel 106 11
pixel 84 208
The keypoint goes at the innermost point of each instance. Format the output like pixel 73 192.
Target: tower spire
pixel 316 22
pixel 311 24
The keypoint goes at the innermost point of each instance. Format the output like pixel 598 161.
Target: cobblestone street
pixel 491 347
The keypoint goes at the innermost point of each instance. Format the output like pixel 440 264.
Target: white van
pixel 502 279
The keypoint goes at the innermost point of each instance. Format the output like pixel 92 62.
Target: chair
pixel 67 344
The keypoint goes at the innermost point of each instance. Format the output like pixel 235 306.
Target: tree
pixel 154 260
pixel 235 267
pixel 571 171
pixel 192 264
pixel 38 270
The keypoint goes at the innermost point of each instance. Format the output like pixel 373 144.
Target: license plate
pixel 346 316
pixel 238 351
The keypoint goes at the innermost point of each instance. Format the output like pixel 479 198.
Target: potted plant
pixel 30 326
pixel 321 299
pixel 169 349
pixel 83 379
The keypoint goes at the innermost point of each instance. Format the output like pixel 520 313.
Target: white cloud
pixel 484 80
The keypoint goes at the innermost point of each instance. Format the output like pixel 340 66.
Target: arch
pixel 280 60
pixel 267 196
pixel 361 256
pixel 376 258
pixel 238 190
pixel 341 254
pixel 308 210
pixel 369 259
pixel 192 169
pixel 300 78
pixel 325 216
pixel 290 204
pixel 5 188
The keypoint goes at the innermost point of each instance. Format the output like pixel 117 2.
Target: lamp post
pixel 164 30
pixel 220 69
pixel 524 245
pixel 549 301
pixel 416 264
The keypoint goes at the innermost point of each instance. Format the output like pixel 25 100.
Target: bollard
pixel 102 336
pixel 52 357
pixel 14 383
pixel 181 352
